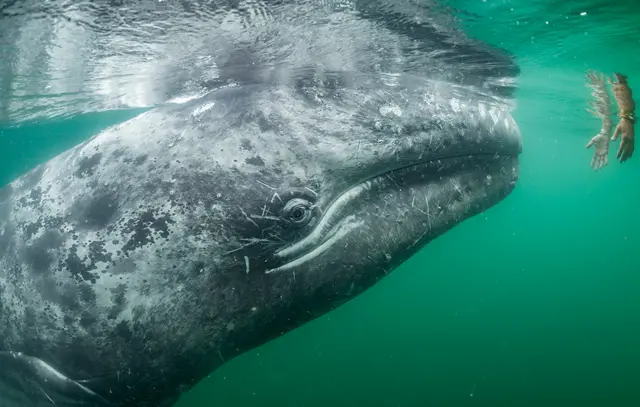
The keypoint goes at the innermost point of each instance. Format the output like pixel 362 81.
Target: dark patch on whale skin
pixel 40 254
pixel 246 145
pixel 119 152
pixel 31 229
pixel 264 124
pixel 121 266
pixel 81 268
pixel 75 265
pixel 97 211
pixel 32 199
pixel 139 160
pixel 255 160
pixel 143 227
pixel 87 165
pixel 118 300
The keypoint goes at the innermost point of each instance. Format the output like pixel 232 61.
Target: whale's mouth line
pixel 332 227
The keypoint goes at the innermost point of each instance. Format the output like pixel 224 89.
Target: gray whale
pixel 332 144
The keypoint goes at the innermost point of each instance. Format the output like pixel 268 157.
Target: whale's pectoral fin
pixel 26 381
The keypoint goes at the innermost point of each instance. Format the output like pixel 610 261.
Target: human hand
pixel 626 130
pixel 601 154
pixel 595 78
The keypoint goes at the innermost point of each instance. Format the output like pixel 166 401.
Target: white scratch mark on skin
pixel 275 237
pixel 252 242
pixel 275 195
pixel 457 188
pixel 448 202
pixel 426 199
pixel 248 218
pixel 265 217
pixel 221 358
pixel 264 210
pixel 45 393
pixel 265 185
pixel 417 240
pixel 311 190
pixel 234 250
pixel 246 264
pixel 392 180
pixel 421 211
pixel 255 240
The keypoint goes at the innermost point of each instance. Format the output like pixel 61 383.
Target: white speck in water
pixel 584 13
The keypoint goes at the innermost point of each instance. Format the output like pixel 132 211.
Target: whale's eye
pixel 297 211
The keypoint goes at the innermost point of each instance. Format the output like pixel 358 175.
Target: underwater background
pixel 535 302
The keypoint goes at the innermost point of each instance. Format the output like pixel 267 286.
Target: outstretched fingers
pixel 601 162
pixel 626 150
pixel 620 149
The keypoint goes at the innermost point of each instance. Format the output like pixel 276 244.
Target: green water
pixel 533 303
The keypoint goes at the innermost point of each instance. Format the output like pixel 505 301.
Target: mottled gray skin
pixel 134 264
